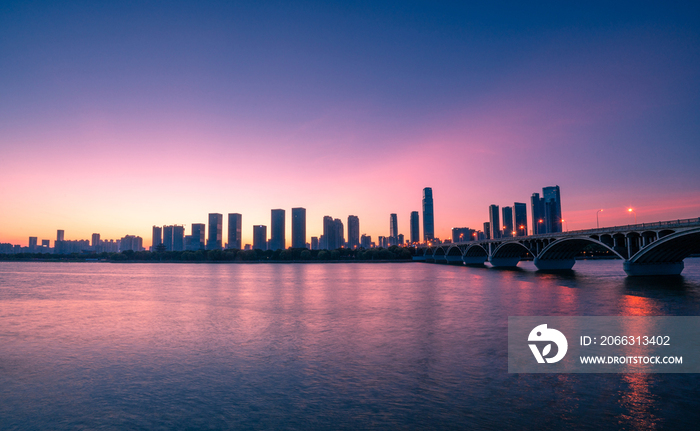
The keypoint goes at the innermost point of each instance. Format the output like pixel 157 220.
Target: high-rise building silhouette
pixel 393 229
pixel 277 230
pixel 428 216
pixel 131 242
pixel 259 237
pixel 216 229
pixel 157 237
pixel 415 227
pixel 339 232
pixel 401 240
pixel 178 238
pixel 462 234
pixel 507 221
pixel 168 237
pixel 235 226
pixel 60 235
pixel 552 208
pixel 365 241
pixel 520 211
pixel 353 231
pixel 314 243
pixel 538 219
pixel 197 239
pixel 95 241
pixel 298 227
pixel 494 222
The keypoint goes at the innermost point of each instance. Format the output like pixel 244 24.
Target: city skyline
pixel 278 217
pixel 119 130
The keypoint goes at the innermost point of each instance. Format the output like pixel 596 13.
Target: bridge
pixel 645 249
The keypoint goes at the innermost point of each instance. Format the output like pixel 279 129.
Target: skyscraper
pixel 507 213
pixel 278 237
pixel 60 235
pixel 259 237
pixel 462 234
pixel 157 237
pixel 95 241
pixel 487 230
pixel 428 220
pixel 198 237
pixel 552 208
pixel 314 243
pixel 339 232
pixel 178 237
pixel 216 228
pixel 393 229
pixel 538 219
pixel 298 227
pixel 520 211
pixel 328 237
pixel 168 237
pixel 415 227
pixel 353 231
pixel 235 223
pixel 366 241
pixel 494 222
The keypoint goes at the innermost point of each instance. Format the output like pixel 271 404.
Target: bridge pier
pixel 634 269
pixel 504 262
pixel 554 264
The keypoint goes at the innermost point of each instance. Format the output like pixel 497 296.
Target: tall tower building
pixel 415 227
pixel 339 232
pixel 487 230
pixel 328 241
pixel 277 232
pixel 538 219
pixel 168 237
pixel 95 241
pixel 428 220
pixel 494 222
pixel 178 238
pixel 520 211
pixel 216 228
pixel 157 237
pixel 60 235
pixel 393 229
pixel 259 237
pixel 198 236
pixel 235 223
pixel 507 213
pixel 298 227
pixel 353 231
pixel 552 208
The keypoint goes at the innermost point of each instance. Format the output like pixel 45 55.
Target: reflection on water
pixel 328 346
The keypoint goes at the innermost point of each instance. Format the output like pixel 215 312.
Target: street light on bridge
pixel 635 214
pixel 597 223
pixel 567 224
pixel 522 228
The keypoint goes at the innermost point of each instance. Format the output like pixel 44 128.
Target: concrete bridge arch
pixel 664 256
pixel 560 254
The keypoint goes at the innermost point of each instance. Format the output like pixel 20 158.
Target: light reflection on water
pixel 300 346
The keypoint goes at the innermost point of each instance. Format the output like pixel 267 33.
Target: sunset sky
pixel 116 116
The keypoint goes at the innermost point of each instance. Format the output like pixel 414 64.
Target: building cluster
pixel 64 246
pixel 508 221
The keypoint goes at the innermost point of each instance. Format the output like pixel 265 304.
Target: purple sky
pixel 114 118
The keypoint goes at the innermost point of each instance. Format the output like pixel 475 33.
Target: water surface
pixel 317 346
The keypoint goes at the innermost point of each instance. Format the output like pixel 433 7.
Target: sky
pixel 117 116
